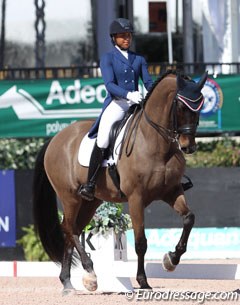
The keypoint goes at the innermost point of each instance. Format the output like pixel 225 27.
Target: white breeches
pixel 114 112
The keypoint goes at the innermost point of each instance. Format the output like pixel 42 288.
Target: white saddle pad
pixel 86 147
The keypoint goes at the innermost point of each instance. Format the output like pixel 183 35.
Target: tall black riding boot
pixel 87 190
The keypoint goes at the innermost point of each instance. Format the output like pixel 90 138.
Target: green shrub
pixel 109 216
pixel 32 246
pixel 224 153
pixel 19 153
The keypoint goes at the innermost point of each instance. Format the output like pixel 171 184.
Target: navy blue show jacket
pixel 120 76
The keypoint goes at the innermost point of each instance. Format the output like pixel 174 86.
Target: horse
pixel 151 167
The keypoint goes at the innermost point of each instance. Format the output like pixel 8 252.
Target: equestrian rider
pixel 121 70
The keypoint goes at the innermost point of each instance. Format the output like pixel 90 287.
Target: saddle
pixel 116 129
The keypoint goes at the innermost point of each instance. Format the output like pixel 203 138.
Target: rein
pixel 166 133
pixel 169 135
pixel 128 150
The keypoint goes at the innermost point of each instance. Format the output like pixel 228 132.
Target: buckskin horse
pixel 162 129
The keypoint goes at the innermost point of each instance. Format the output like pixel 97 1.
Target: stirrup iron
pixel 86 191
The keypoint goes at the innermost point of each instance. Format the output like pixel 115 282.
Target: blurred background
pixel 59 33
pixel 49 62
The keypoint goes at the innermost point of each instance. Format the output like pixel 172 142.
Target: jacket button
pixel 132 81
pixel 125 81
pixel 125 71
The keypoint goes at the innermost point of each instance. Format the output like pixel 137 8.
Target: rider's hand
pixel 135 97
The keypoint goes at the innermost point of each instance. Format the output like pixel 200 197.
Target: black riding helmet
pixel 120 25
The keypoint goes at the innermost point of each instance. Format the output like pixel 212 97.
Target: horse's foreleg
pixel 137 216
pixel 171 259
pixel 141 248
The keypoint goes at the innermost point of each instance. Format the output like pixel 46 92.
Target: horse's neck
pixel 158 106
pixel 155 134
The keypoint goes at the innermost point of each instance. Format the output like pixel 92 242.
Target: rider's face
pixel 123 40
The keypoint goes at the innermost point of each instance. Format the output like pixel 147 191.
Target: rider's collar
pixel 123 51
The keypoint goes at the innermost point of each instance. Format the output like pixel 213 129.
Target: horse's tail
pixel 45 212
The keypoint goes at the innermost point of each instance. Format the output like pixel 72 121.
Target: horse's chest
pixel 172 173
pixel 174 169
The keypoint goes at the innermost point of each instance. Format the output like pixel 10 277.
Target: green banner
pixel 221 110
pixel 42 108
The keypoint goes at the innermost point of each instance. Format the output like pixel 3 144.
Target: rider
pixel 121 70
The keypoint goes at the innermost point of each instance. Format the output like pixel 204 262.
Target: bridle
pixel 172 134
pixel 176 130
pixel 186 129
pixel 167 134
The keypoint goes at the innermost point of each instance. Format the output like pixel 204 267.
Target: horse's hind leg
pixel 171 259
pixel 89 278
pixel 65 271
pixel 84 216
pixel 75 220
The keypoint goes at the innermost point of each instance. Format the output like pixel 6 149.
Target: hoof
pixel 145 287
pixel 68 292
pixel 142 281
pixel 167 263
pixel 90 281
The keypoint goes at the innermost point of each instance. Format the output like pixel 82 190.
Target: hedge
pixel 21 153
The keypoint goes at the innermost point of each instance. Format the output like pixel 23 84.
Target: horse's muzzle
pixel 187 143
pixel 189 149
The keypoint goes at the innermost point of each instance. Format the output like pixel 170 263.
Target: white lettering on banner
pixel 101 93
pixel 197 239
pixel 74 94
pixel 203 242
pixel 88 94
pixel 157 239
pixel 56 93
pixel 201 239
pixel 53 128
pixel 4 224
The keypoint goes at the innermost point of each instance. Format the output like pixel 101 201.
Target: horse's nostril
pixel 189 150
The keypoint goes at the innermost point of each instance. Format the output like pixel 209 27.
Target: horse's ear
pixel 180 82
pixel 202 80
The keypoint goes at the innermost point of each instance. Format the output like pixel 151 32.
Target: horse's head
pixel 187 105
